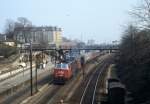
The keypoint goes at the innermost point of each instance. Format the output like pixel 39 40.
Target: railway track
pixel 86 92
pixel 51 92
pixel 23 93
pixel 88 96
pixel 45 97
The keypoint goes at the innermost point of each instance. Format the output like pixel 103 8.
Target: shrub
pixel 7 51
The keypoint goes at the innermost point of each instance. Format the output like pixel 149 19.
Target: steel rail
pixel 96 85
pixel 92 76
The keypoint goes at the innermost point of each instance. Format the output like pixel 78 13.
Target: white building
pixel 2 37
pixel 39 35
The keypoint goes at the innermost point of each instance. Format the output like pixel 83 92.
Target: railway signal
pixel 82 60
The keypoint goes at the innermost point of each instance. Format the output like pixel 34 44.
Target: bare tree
pixel 128 43
pixel 134 61
pixel 9 28
pixel 10 25
pixel 23 22
pixel 142 14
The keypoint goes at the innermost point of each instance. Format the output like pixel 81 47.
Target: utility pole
pixel 37 66
pixel 55 56
pixel 42 60
pixel 31 80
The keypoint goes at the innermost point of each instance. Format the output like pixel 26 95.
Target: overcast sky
pixel 101 20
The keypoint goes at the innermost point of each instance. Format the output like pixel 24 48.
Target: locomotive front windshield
pixel 62 66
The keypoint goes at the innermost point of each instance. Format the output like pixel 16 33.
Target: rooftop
pixel 40 28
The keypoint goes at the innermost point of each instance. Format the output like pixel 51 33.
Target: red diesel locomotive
pixel 65 71
pixel 62 72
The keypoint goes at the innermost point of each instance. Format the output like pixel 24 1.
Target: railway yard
pixel 75 52
pixel 83 88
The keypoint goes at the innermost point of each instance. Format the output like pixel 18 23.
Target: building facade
pixel 39 35
pixel 2 37
pixel 91 42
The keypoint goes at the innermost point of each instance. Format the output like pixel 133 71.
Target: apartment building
pixel 39 35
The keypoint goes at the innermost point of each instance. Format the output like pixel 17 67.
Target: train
pixel 64 71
